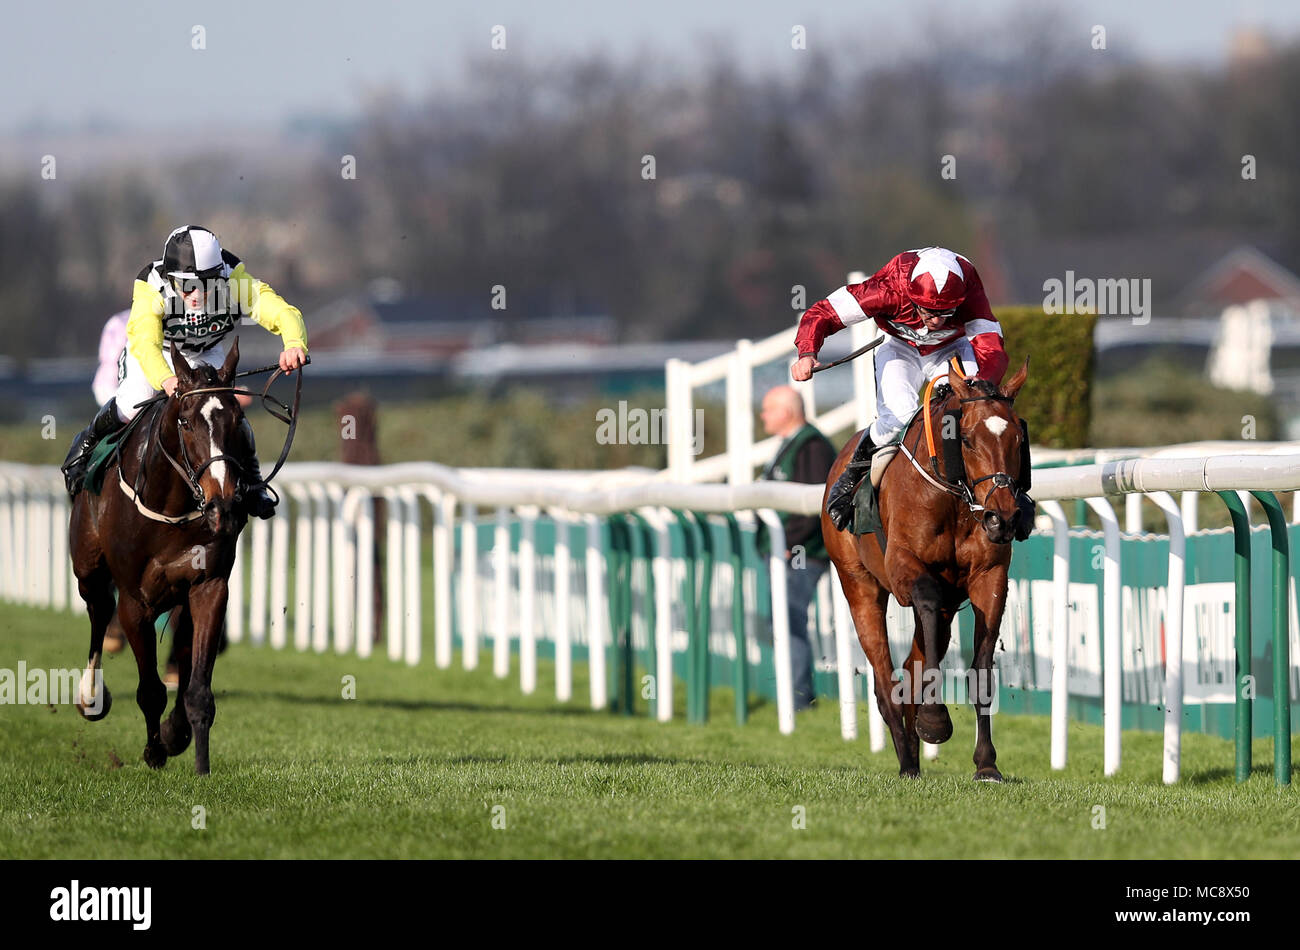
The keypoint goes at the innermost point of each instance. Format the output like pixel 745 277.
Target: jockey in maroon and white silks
pixel 932 304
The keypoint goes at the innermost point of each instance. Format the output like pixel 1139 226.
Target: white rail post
pixel 596 607
pixel 60 562
pixel 864 369
pixel 1060 631
pixel 844 659
pixel 260 545
pixel 302 568
pixel 320 574
pixel 1189 502
pixel 235 595
pixel 780 622
pixel 1173 636
pixel 740 414
pixel 1111 684
pixel 411 561
pixel 501 596
pixel 469 587
pixel 8 556
pixel 280 576
pixel 346 567
pixel 563 636
pixel 38 548
pixel 365 587
pixel 20 545
pixel 527 600
pixel 340 569
pixel 1133 513
pixel 443 525
pixel 393 609
pixel 677 402
pixel 663 632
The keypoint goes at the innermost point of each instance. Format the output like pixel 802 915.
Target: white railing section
pixel 332 507
pixel 736 371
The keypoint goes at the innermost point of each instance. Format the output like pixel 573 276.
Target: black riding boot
pixel 839 503
pixel 105 423
pixel 258 502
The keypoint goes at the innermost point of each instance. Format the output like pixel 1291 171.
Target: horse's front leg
pixel 176 727
pixel 933 724
pixel 151 694
pixel 988 597
pixel 208 614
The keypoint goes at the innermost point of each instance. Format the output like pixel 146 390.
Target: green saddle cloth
pixel 866 509
pixel 866 501
pixel 101 456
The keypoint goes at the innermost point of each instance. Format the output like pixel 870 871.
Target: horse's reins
pixel 188 472
pixel 959 488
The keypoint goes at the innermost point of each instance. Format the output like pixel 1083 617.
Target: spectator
pixel 805 455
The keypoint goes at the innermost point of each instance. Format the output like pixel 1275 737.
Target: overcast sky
pixel 66 63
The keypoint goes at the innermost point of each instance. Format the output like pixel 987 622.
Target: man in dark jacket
pixel 805 455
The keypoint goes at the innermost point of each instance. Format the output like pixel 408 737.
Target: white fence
pixel 331 516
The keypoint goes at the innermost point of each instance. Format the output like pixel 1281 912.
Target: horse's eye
pixel 966 442
pixel 185 423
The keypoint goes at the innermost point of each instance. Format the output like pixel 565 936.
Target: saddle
pixel 101 459
pixel 866 500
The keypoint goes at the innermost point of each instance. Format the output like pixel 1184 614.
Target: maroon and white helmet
pixel 936 278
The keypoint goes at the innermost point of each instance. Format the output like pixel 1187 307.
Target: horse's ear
pixel 227 371
pixel 181 366
pixel 958 383
pixel 1012 387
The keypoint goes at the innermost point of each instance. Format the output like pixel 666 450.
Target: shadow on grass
pixel 410 705
pixel 1210 776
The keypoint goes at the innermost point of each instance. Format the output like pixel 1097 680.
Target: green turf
pixel 415 765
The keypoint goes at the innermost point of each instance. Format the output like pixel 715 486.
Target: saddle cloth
pixel 101 457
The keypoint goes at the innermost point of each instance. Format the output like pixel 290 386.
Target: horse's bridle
pixel 960 488
pixel 188 472
pixel 185 468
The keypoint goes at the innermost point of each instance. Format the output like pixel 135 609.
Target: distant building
pixel 385 320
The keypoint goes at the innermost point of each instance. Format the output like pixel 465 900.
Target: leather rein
pixel 185 468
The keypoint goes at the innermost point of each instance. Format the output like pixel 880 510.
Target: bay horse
pixel 163 530
pixel 944 543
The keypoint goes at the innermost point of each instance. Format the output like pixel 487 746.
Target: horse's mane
pixel 942 391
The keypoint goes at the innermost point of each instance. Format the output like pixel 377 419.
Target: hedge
pixel 1056 399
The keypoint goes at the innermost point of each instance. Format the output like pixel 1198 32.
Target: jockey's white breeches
pixel 901 371
pixel 135 388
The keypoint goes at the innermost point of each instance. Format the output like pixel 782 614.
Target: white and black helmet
pixel 193 253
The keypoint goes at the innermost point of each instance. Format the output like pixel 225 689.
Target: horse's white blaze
pixel 997 425
pixel 218 469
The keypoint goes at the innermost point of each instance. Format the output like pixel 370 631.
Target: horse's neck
pixel 919 444
pixel 159 483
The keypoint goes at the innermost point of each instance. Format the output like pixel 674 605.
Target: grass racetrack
pixel 415 766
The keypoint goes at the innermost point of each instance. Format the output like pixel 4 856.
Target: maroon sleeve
pixel 819 321
pixel 983 330
pixel 874 295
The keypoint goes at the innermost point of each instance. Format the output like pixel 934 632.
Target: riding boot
pixel 839 502
pixel 257 500
pixel 106 422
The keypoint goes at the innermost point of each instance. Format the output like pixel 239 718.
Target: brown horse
pixel 947 538
pixel 164 530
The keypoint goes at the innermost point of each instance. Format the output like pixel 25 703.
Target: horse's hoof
pixel 174 741
pixel 933 724
pixel 155 756
pixel 106 705
pixel 988 774
pixel 913 772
